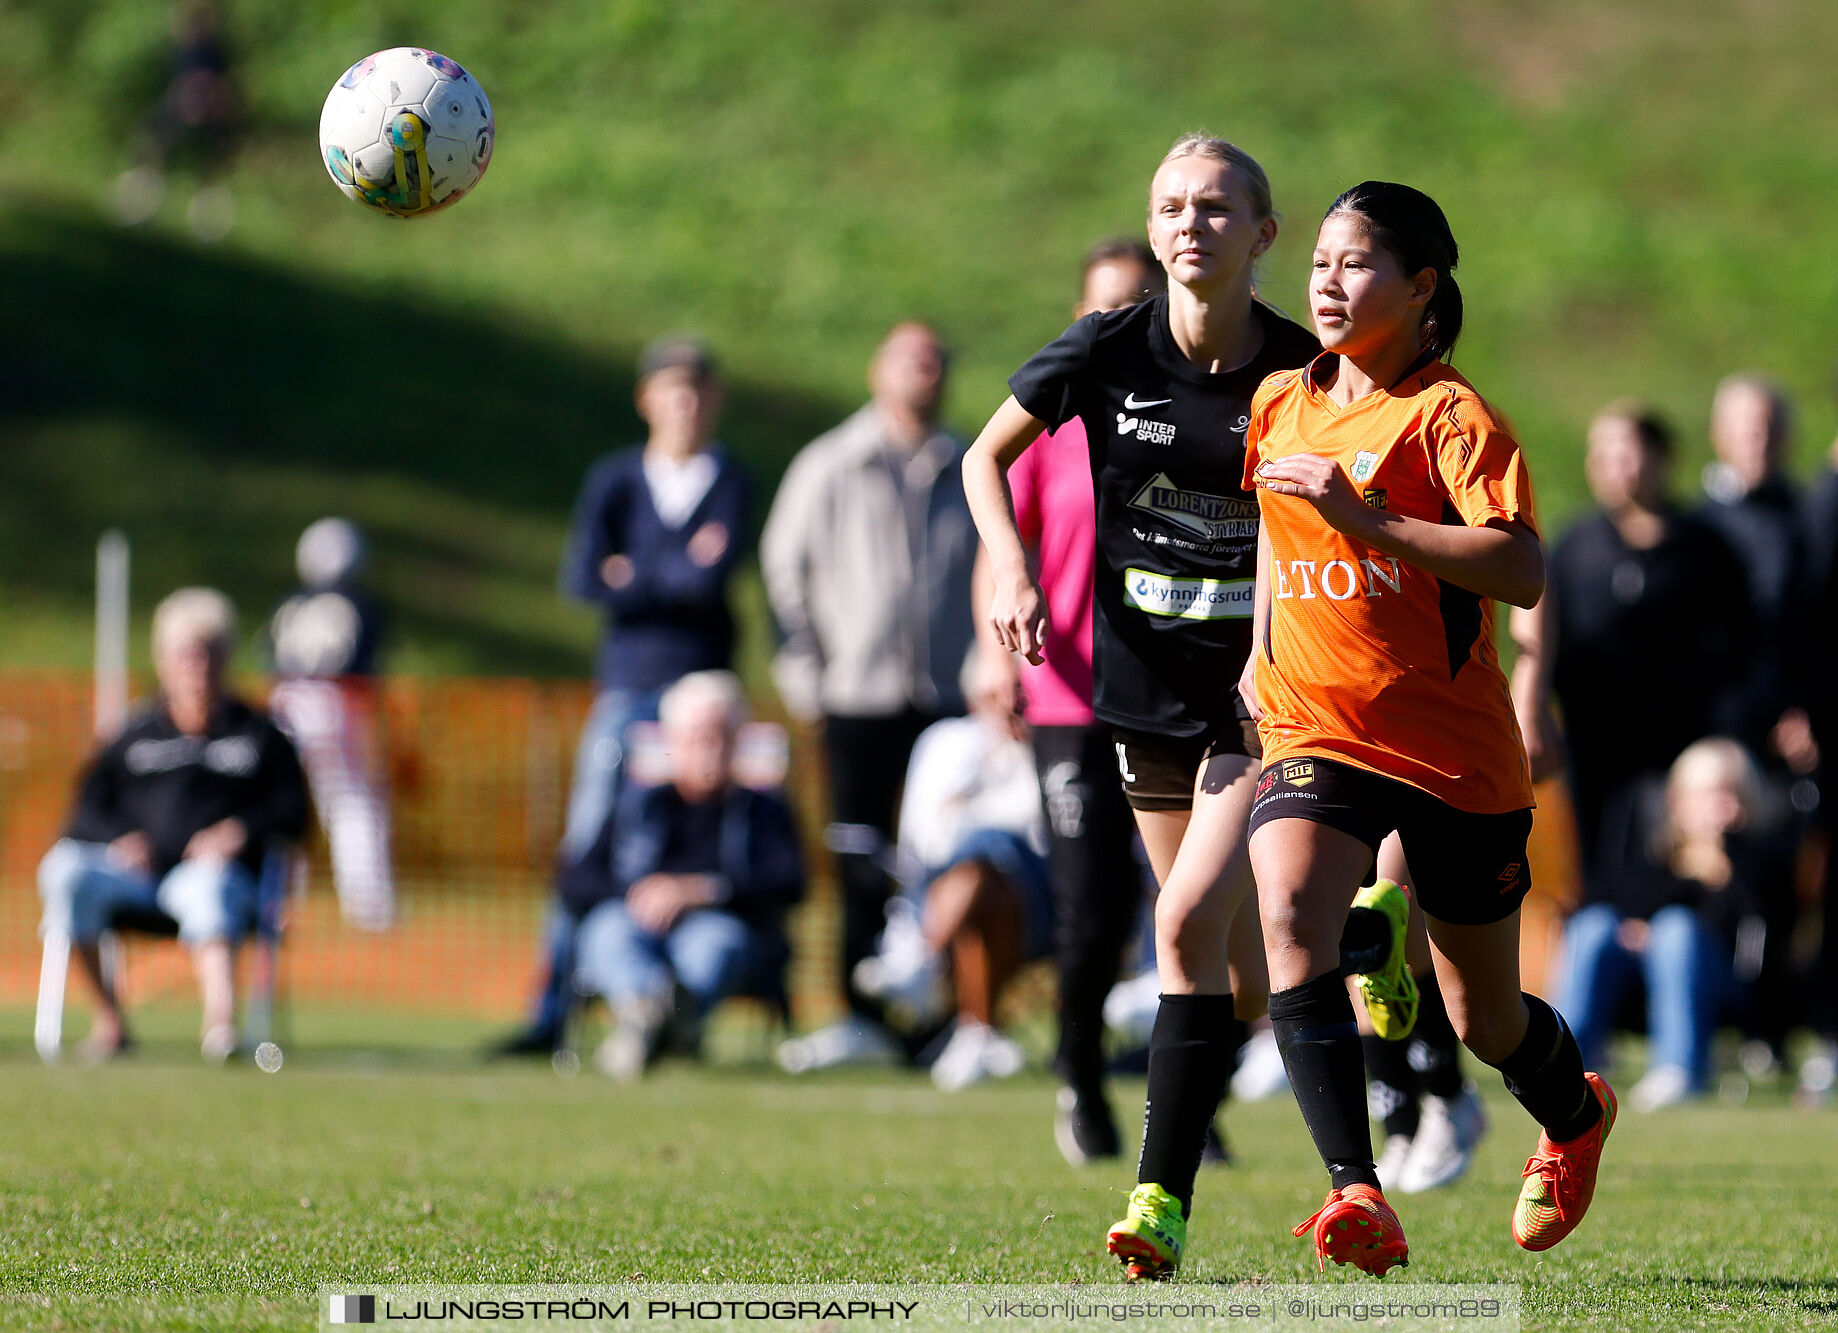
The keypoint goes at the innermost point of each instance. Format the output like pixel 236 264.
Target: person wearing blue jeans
pixel 83 886
pixel 685 888
pixel 177 814
pixel 657 531
pixel 1686 971
pixel 1672 924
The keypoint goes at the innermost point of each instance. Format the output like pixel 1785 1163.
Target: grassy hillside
pixel 1640 193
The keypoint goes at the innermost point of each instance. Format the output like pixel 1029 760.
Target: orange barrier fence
pixel 479 773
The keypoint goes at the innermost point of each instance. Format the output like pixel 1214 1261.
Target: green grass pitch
pixel 158 1194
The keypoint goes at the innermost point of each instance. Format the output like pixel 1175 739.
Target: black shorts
pixel 1159 771
pixel 1466 869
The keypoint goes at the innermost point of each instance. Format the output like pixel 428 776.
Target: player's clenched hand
pixel 1018 610
pixel 1321 482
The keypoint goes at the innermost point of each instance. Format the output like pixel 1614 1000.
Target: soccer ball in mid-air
pixel 406 131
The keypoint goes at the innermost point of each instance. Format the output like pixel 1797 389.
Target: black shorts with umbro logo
pixel 1466 869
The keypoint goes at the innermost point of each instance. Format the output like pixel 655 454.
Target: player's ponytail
pixel 1411 226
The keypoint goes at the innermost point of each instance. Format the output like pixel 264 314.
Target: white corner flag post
pixel 110 711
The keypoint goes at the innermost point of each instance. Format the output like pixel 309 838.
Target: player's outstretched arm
pixel 1017 609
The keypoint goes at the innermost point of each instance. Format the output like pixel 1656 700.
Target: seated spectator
pixel 1674 922
pixel 972 832
pixel 681 899
pixel 657 531
pixel 176 815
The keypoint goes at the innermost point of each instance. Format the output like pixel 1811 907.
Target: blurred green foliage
pixel 1644 194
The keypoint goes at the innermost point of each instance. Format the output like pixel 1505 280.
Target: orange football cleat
pixel 1560 1178
pixel 1356 1226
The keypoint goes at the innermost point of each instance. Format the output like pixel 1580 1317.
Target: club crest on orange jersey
pixel 1365 464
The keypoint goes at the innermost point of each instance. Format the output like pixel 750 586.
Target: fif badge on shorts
pixel 1298 772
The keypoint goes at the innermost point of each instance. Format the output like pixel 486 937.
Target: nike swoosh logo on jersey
pixel 1130 402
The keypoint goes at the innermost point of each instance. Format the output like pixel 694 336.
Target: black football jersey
pixel 1177 532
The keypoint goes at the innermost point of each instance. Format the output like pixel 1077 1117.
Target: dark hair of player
pixel 1411 226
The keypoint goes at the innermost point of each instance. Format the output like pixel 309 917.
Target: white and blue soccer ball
pixel 406 132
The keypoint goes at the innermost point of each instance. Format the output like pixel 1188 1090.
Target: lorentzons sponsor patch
pixel 1215 517
pixel 1188 599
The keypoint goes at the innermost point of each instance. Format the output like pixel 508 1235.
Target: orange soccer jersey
pixel 1368 659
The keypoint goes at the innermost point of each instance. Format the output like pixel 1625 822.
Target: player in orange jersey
pixel 1396 508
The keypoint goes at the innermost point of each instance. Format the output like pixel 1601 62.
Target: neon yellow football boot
pixel 1149 1238
pixel 1389 990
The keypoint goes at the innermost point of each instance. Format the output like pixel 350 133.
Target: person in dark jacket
pixel 686 886
pixel 1755 507
pixel 1642 624
pixel 656 534
pixel 177 814
pixel 657 531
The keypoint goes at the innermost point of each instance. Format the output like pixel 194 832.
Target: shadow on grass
pixel 1813 1296
pixel 214 404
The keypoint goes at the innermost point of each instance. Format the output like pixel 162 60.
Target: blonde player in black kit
pixel 1164 390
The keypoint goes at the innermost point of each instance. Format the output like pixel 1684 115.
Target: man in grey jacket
pixel 867 556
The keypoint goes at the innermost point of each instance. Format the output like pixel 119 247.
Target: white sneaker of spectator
pixel 1818 1072
pixel 975 1052
pixel 848 1041
pixel 1260 1074
pixel 1391 1159
pixel 637 1035
pixel 905 973
pixel 1443 1146
pixel 219 1044
pixel 1129 1009
pixel 1660 1087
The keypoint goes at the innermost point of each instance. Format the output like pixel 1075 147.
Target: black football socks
pixel 1321 1051
pixel 1546 1074
pixel 1391 1085
pixel 1191 1049
pixel 1365 940
pixel 1434 1050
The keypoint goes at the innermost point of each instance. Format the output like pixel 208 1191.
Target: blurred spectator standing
pixel 973 840
pixel 656 534
pixel 177 815
pixel 867 557
pixel 1754 506
pixel 1097 887
pixel 1642 625
pixel 682 897
pixel 323 642
pixel 1674 920
pixel 193 125
pixel 1818 1070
